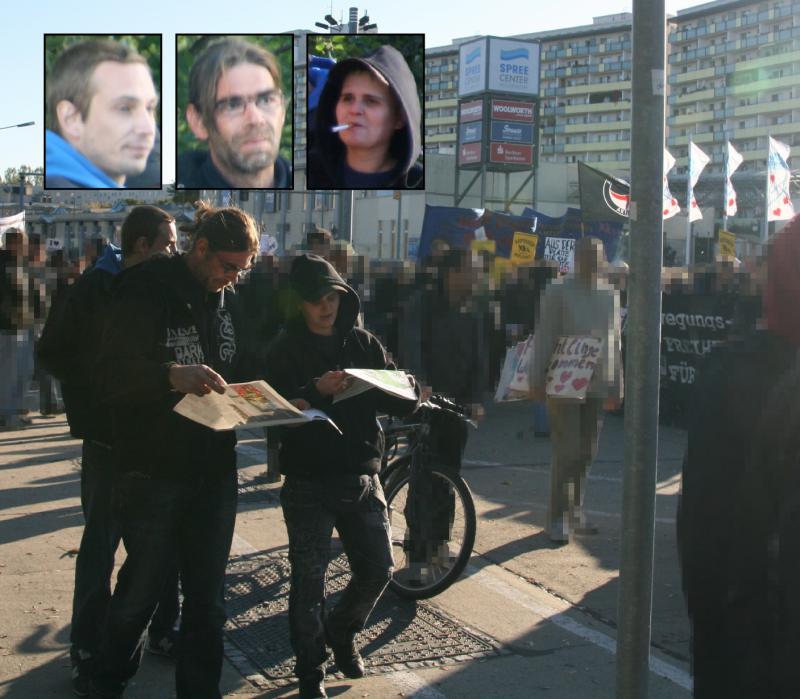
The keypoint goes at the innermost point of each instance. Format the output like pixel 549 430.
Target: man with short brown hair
pixel 101 116
pixel 236 103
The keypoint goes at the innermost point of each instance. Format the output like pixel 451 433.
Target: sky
pixel 25 24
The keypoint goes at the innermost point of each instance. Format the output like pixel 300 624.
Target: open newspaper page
pixel 245 405
pixel 394 382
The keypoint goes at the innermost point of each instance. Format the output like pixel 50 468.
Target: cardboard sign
pixel 572 366
pixel 561 250
pixel 479 245
pixel 727 245
pixel 523 247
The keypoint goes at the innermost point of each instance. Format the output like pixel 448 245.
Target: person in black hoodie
pixel 331 478
pixel 68 348
pixel 367 126
pixel 173 329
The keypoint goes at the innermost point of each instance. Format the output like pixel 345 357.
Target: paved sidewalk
pixel 535 645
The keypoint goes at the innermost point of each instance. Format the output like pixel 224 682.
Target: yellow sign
pixel 480 245
pixel 523 247
pixel 727 245
pixel 502 265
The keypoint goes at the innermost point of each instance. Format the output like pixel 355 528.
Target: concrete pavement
pixel 546 612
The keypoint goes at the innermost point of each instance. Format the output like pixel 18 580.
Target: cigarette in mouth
pixel 341 127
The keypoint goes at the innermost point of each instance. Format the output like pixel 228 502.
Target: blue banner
pixel 512 132
pixel 457 226
pixel 470 132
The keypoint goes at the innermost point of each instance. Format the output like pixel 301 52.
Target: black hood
pixel 406 145
pixel 312 277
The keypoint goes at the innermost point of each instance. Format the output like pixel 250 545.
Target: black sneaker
pixel 80 679
pixel 312 687
pixel 165 646
pixel 348 660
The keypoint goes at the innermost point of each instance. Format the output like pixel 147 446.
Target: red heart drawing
pixel 694 203
pixel 558 388
pixel 666 211
pixel 777 211
pixel 578 384
pixel 565 376
pixel 772 178
pixel 786 200
pixel 730 202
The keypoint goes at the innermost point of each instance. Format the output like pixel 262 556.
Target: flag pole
pixel 689 209
pixel 765 230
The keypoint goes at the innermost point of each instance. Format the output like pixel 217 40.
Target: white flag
pixel 779 200
pixel 732 162
pixel 697 162
pixel 670 203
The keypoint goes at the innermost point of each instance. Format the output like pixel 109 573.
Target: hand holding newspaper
pixel 393 382
pixel 246 405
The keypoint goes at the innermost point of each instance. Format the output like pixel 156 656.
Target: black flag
pixel 603 197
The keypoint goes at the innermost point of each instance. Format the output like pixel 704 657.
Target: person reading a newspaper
pixel 581 305
pixel 331 478
pixel 173 329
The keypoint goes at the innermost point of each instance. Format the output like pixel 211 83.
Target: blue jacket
pixel 65 167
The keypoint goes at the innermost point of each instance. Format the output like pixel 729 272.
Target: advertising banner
pixel 506 110
pixel 512 132
pixel 513 66
pixel 510 154
pixel 471 111
pixel 471 132
pixel 469 154
pixel 472 62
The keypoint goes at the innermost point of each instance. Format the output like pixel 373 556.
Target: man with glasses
pixel 174 329
pixel 237 105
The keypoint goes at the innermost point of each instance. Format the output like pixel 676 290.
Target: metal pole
pixel 21 191
pixel 399 222
pixel 689 209
pixel 765 231
pixel 644 337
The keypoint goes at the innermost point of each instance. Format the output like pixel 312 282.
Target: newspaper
pixel 246 405
pixel 395 383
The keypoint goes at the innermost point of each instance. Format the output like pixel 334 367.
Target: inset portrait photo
pixel 364 115
pixel 234 121
pixel 102 118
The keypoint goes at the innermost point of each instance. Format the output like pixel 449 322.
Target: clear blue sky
pixel 25 24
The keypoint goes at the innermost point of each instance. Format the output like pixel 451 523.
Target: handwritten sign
pixel 572 366
pixel 727 245
pixel 523 248
pixel 561 250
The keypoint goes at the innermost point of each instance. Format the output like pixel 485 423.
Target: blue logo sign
pixel 475 53
pixel 471 132
pixel 512 132
pixel 514 54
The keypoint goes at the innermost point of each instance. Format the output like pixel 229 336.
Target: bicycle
pixel 430 505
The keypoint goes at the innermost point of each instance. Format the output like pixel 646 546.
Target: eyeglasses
pixel 229 268
pixel 268 102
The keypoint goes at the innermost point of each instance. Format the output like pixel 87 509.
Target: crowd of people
pixel 128 330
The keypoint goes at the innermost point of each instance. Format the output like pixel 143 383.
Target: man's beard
pixel 249 163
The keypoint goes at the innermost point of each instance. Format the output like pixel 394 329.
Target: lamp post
pixel 21 175
pixel 18 126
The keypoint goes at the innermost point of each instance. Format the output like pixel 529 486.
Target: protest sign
pixel 572 366
pixel 523 247
pixel 268 244
pixel 561 250
pixel 727 245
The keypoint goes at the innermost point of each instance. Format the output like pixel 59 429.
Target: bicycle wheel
pixel 430 555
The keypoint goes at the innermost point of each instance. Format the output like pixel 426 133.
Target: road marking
pixel 563 621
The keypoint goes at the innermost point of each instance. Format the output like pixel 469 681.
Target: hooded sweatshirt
pixel 65 167
pixel 298 357
pixel 327 168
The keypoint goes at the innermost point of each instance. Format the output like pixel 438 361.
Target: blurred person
pixel 101 116
pixel 319 241
pixel 69 349
pixel 16 322
pixel 739 510
pixel 580 304
pixel 331 479
pixel 367 126
pixel 237 105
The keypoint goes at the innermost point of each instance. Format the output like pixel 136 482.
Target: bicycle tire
pixel 417 580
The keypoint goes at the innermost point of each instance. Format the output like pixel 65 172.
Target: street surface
pixel 547 613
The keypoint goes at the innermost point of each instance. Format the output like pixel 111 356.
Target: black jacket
pixel 161 315
pixel 295 360
pixel 196 170
pixel 325 169
pixel 69 346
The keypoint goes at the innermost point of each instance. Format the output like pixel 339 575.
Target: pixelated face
pixel 118 131
pixel 248 119
pixel 367 105
pixel 320 315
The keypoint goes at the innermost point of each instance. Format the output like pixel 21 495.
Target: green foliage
pixel 11 175
pixel 339 46
pixel 149 45
pixel 192 45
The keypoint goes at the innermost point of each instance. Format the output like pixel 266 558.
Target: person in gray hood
pixel 367 126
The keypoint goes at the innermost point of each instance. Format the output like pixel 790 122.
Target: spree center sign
pixel 492 64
